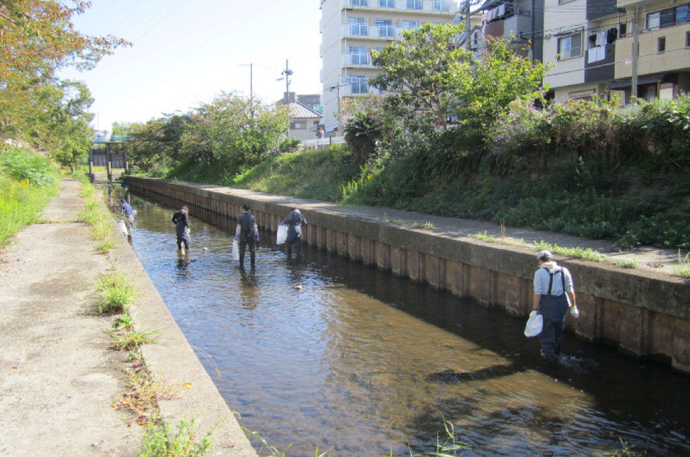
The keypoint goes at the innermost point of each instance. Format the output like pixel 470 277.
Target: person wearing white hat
pixel 553 295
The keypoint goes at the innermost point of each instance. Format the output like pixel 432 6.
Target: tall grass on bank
pixel 98 217
pixel 27 183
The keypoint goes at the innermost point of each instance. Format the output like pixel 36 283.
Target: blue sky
pixel 186 52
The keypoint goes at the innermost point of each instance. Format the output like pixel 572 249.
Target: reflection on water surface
pixel 330 353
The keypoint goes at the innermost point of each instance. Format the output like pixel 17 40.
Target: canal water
pixel 326 353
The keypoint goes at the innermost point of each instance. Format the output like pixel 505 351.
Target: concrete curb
pixel 172 360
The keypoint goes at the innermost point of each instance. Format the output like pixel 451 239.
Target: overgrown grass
pixel 424 225
pixel 116 293
pixel 27 183
pixel 142 394
pixel 309 174
pixel 98 217
pixel 580 253
pixel 390 220
pixel 625 263
pixel 683 267
pixel 129 339
pixel 162 440
pixel 484 236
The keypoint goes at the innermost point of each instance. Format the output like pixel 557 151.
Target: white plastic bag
pixel 282 234
pixel 235 250
pixel 123 228
pixel 535 323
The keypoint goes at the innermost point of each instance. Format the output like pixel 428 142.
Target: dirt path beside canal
pixel 58 379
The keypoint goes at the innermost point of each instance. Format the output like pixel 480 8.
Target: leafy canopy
pixel 37 38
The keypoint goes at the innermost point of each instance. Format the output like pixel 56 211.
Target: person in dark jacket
pixel 295 222
pixel 181 221
pixel 247 233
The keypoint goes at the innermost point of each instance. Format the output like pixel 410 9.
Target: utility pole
pixel 287 72
pixel 251 87
pixel 635 51
pixel 467 25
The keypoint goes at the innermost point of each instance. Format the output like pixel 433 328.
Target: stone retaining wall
pixel 641 313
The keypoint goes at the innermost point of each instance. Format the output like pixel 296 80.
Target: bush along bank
pixel 631 187
pixel 27 182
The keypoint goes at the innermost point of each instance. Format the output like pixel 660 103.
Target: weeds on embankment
pixel 683 267
pixel 116 295
pixel 98 217
pixel 27 183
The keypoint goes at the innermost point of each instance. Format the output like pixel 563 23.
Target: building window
pixel 687 39
pixel 386 29
pixel 661 44
pixel 570 46
pixel 668 17
pixel 359 84
pixel 358 26
pixel 386 3
pixel 653 20
pixel 414 4
pixel 359 2
pixel 358 55
pixel 410 25
pixel 298 125
pixel 439 5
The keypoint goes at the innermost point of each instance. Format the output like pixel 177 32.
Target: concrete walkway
pixel 58 379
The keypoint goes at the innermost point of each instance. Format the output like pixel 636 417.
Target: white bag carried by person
pixel 235 250
pixel 535 323
pixel 282 234
pixel 123 228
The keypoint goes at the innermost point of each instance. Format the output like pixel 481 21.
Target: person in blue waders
pixel 295 221
pixel 553 295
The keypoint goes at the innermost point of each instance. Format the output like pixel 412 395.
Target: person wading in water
pixel 553 295
pixel 247 233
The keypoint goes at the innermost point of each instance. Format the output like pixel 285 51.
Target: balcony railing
pixel 426 6
pixel 357 60
pixel 386 32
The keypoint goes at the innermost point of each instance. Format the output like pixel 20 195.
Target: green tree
pixel 422 71
pixel 63 126
pixel 157 144
pixel 430 75
pixel 234 132
pixel 37 38
pixel 494 80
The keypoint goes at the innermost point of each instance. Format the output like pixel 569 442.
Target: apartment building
pixel 661 64
pixel 595 47
pixel 580 41
pixel 520 22
pixel 350 29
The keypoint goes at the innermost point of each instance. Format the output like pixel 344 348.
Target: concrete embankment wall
pixel 640 312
